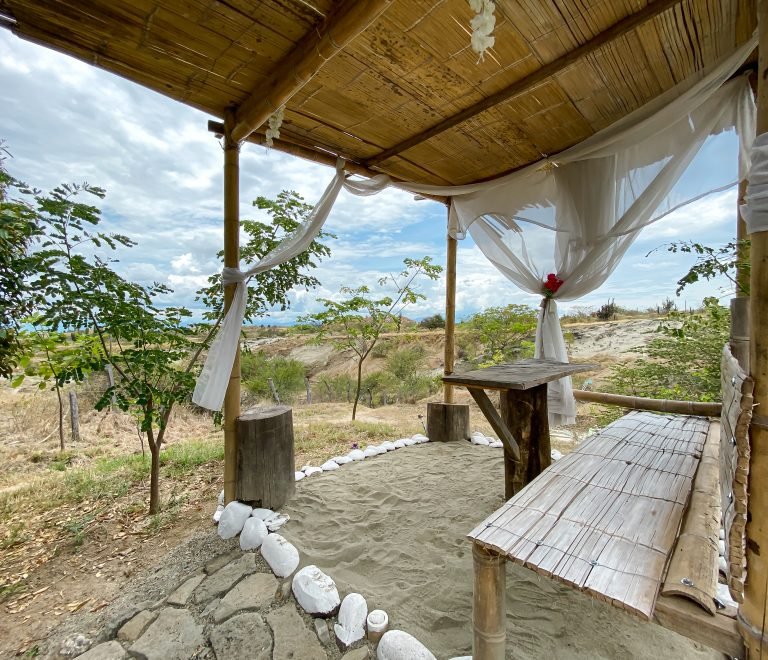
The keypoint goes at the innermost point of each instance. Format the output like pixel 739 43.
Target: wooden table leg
pixel 524 412
pixel 489 615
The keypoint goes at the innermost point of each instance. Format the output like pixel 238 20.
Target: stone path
pixel 230 609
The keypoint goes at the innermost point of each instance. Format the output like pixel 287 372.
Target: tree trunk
pixel 154 480
pixel 357 390
pixel 61 418
pixel 74 417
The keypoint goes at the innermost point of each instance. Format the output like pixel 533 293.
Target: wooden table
pixel 523 425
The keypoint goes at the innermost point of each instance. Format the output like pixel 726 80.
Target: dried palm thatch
pixel 393 85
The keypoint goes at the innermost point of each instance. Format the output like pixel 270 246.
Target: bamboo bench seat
pixel 632 513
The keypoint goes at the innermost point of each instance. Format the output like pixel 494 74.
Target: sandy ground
pixel 394 529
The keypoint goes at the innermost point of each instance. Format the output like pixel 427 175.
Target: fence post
pixel 274 391
pixel 74 417
pixel 309 391
pixel 111 380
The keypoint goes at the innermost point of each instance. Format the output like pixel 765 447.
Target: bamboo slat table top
pixel 520 375
pixel 604 518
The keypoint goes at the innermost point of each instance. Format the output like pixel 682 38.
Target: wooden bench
pixel 631 517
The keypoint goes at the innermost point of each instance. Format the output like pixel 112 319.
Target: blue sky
pixel 64 120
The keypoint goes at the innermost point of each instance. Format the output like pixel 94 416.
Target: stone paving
pixel 227 610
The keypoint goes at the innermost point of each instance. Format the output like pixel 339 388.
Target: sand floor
pixel 393 528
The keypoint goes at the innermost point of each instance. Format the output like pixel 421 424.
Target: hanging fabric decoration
pixel 755 208
pixel 558 232
pixel 274 122
pixel 482 26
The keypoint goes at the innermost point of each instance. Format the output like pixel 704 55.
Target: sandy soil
pixel 393 528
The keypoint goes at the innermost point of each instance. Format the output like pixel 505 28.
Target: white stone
pixel 420 437
pixel 217 513
pixel 233 518
pixel 462 657
pixel 399 645
pixel 388 446
pixel 356 455
pixel 221 498
pixel 253 534
pixel 329 465
pixel 724 596
pixel 273 524
pixel 399 444
pixel 370 452
pixel 722 533
pixel 409 441
pixel 496 443
pixel 478 434
pixel 352 615
pixel 341 460
pixel 556 455
pixel 264 514
pixel 480 440
pixel 312 470
pixel 721 547
pixel 299 476
pixel 282 556
pixel 722 565
pixel 315 591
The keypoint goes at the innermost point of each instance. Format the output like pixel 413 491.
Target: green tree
pixel 271 288
pixel 712 262
pixel 18 231
pixel 434 322
pixel 356 321
pixel 257 368
pixel 500 334
pixel 683 362
pixel 77 289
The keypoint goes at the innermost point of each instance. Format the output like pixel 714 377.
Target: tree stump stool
pixel 447 422
pixel 265 461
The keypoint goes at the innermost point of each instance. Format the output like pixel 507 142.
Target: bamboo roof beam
pixel 315 156
pixel 350 19
pixel 527 83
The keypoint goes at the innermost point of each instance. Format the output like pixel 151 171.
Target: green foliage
pixel 356 321
pixel 608 311
pixel 499 334
pixel 433 322
pixel 683 362
pixel 270 289
pixel 405 362
pixel 18 231
pixel 336 388
pixel 257 368
pixel 712 262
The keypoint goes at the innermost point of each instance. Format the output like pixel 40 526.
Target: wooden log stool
pixel 266 467
pixel 447 422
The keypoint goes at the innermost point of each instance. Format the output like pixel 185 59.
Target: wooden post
pixel 232 260
pixel 450 316
pixel 74 417
pixel 447 422
pixel 266 464
pixel 752 613
pixel 489 607
pixel 524 412
pixel 111 380
pixel 309 391
pixel 740 304
pixel 272 387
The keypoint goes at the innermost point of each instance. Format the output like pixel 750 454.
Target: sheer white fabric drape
pixel 581 212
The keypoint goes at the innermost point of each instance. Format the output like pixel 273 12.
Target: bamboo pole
pixel 450 316
pixel 489 616
pixel 657 405
pixel 752 613
pixel 349 19
pixel 739 338
pixel 232 260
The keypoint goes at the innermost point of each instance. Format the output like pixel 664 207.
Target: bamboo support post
pixel 740 304
pixel 231 260
pixel 489 616
pixel 657 405
pixel 450 316
pixel 752 613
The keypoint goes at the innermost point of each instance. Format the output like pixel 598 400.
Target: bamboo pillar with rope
pixel 231 260
pixel 752 612
pixel 450 314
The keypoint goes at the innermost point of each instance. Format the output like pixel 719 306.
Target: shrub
pixel 432 322
pixel 257 369
pixel 607 311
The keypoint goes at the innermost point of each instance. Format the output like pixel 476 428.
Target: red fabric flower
pixel 552 284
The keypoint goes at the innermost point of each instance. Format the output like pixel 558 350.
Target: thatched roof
pixel 404 93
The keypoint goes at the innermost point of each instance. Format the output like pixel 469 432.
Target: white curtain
pixel 574 216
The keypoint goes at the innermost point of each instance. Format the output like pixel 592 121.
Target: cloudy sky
pixel 65 121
